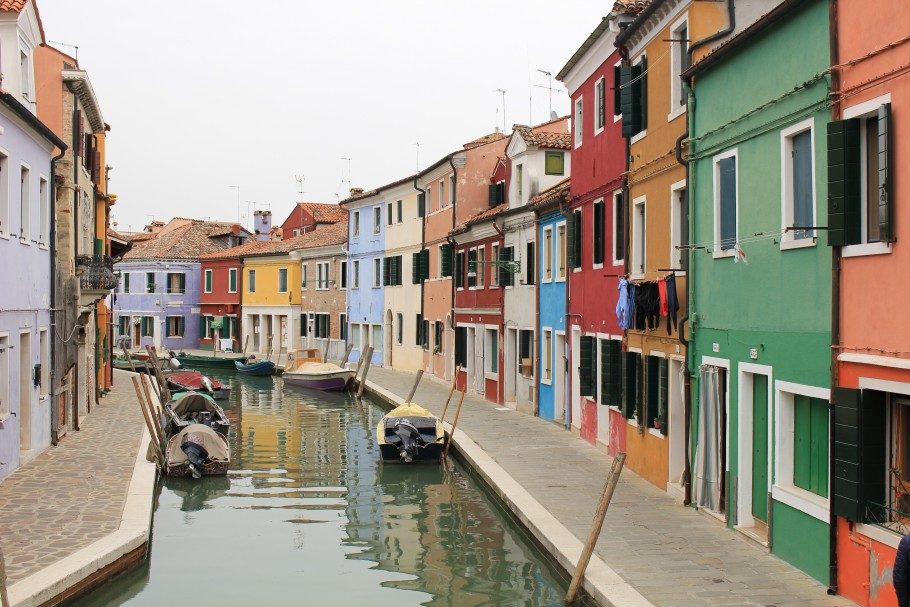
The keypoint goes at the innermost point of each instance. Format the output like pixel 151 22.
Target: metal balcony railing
pixel 889 518
pixel 97 273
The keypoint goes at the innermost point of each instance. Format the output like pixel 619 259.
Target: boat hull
pixel 185 381
pixel 210 362
pixel 430 454
pixel 330 382
pixel 261 368
pixel 410 431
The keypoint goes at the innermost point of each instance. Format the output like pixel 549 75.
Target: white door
pixel 559 378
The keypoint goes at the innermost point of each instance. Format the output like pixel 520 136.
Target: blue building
pixel 551 301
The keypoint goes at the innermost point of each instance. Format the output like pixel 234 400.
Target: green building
pixel 760 283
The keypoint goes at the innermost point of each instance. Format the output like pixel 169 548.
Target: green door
pixel 760 447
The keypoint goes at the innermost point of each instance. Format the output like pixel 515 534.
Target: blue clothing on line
pixel 624 306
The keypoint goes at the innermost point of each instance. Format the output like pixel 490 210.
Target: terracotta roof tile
pixel 12 5
pixel 184 242
pixel 481 216
pixel 630 7
pixel 555 193
pixel 490 138
pixel 327 235
pixel 553 134
pixel 324 212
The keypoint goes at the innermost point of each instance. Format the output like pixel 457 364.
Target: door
pixel 25 392
pixel 388 339
pixel 137 332
pixel 760 447
pixel 511 365
pixel 559 378
pixel 472 363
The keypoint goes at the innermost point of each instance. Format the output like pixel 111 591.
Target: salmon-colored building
pixel 871 485
pixel 307 216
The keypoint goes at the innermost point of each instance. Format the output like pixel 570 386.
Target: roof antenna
pixel 301 180
pixel 348 180
pixel 503 91
pixel 72 46
pixel 417 145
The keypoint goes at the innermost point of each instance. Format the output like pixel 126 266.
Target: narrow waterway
pixel 309 516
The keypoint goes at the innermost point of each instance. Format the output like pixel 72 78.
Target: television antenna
pixel 503 92
pixel 301 180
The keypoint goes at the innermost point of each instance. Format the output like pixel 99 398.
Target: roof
pixel 324 212
pixel 630 7
pixel 333 234
pixel 12 5
pixel 481 217
pixel 620 7
pixel 543 135
pixel 489 138
pixel 643 9
pixel 188 241
pixel 80 84
pixel 373 192
pixel 554 194
pixel 31 120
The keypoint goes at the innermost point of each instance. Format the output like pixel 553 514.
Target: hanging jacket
pixel 623 309
pixel 672 303
pixel 662 289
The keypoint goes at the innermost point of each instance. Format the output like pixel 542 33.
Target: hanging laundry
pixel 641 306
pixel 662 289
pixel 672 303
pixel 623 307
pixel 739 255
pixel 652 305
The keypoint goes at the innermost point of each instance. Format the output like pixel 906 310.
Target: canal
pixel 309 516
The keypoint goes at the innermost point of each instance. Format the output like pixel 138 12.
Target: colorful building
pixel 871 483
pixel 220 300
pixel 307 216
pixel 323 299
pixel 26 219
pixel 760 276
pixel 597 217
pixel 271 283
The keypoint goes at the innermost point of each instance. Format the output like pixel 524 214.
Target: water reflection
pixel 308 515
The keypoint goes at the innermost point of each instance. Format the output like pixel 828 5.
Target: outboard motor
pixel 410 439
pixel 196 455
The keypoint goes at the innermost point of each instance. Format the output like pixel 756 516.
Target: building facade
pixel 323 299
pixel 271 284
pixel 307 216
pixel 220 301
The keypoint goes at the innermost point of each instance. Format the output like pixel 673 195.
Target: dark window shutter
pixel 386 274
pixel 598 251
pixel 415 267
pixel 630 383
pixel 530 265
pixel 506 254
pixel 446 263
pixel 727 170
pixel 601 105
pixel 859 451
pixel 617 96
pixel 630 100
pixel 425 264
pixel 652 391
pixel 421 204
pixel 643 93
pixel 844 183
pixel 577 243
pixel 662 393
pixel 419 323
pixel 303 325
pixel 501 192
pixel 885 190
pixel 78 140
pixel 493 195
pixel 570 239
pixel 586 367
pixel 461 346
pixel 459 270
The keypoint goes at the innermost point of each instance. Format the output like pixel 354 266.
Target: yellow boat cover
pixel 407 410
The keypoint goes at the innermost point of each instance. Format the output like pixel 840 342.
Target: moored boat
pixel 255 367
pixel 409 433
pixel 195 432
pixel 194 380
pixel 308 370
pixel 225 361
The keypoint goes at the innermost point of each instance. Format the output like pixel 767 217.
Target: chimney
pixel 262 224
pixel 356 191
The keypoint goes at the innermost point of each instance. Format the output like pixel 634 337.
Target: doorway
pixel 511 370
pixel 387 357
pixel 676 430
pixel 559 378
pixel 471 381
pixel 25 392
pixel 754 474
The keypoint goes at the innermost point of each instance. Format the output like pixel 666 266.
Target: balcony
pixel 96 278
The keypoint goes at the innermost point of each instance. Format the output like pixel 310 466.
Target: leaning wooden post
pixel 152 427
pixel 410 397
pixel 129 358
pixel 325 351
pixel 246 343
pixel 347 355
pixel 599 515
pixel 445 454
pixel 366 369
pixel 4 598
pixel 357 370
pixel 156 413
pixel 451 392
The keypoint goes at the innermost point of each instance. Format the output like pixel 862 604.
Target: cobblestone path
pixel 72 494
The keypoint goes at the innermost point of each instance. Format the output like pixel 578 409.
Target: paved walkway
pixel 72 494
pixel 673 555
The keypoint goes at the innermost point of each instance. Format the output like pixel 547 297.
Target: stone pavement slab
pixel 72 494
pixel 673 555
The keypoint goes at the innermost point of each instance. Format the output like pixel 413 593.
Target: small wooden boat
pixel 137 360
pixel 190 380
pixel 195 432
pixel 308 370
pixel 225 361
pixel 409 433
pixel 255 367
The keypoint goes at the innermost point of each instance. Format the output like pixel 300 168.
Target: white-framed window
pixel 598 228
pixel 45 354
pixel 322 276
pixel 801 435
pixel 175 326
pixel 24 203
pixel 5 411
pixel 377 273
pixel 578 120
pixel 679 226
pixel 619 228
pixel 25 75
pixel 355 274
pixel 304 275
pixel 472 268
pixel 439 249
pixel 600 109
pixel 4 195
pixel 232 280
pixel 679 63
pixel 377 219
pixel 355 228
pixel 726 203
pixel 491 352
pixel 546 262
pixel 343 274
pixel 452 188
pixel 797 166
pixel 207 287
pixel 390 214
pixel 44 224
pixel 639 244
pixel 442 193
pixel 282 280
pixel 251 281
pixel 546 356
pixel 561 252
pixel 494 269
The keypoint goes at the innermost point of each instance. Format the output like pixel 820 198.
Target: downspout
pixel 423 233
pixel 690 269
pixel 52 217
pixel 452 278
pixel 535 345
pixel 835 314
pixel 566 356
pixel 500 383
pixel 76 145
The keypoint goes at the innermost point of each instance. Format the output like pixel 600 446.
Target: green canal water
pixel 308 515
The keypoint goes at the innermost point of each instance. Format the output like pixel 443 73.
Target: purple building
pixel 157 301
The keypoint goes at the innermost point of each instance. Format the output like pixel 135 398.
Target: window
pixel 810 444
pixel 561 251
pixel 149 282
pixel 520 181
pixel 4 196
pixel 494 274
pixel 679 226
pixel 175 326
pixel 282 280
pixel 497 193
pixel 376 337
pixel 343 273
pixel 123 325
pixel 418 332
pixel 355 274
pixel 633 95
pixel 587 366
pixel 461 347
pixel 679 63
pixel 389 214
pixel 655 397
pixel 574 238
pixel 578 121
pixel 459 270
pixel 610 372
pixel 24 211
pixel 355 335
pixel 208 281
pixel 481 266
pixel 526 352
pixel 725 203
pixel 600 111
pixel 322 275
pixel 619 228
pixel 547 261
pixel 251 281
pixel 400 208
pixel 296 232
pixel 797 178
pixel 126 282
pixel 322 326
pixel 503 273
pixel 632 375
pixel 639 236
pixel 530 259
pixel 377 273
pixel 452 189
pixel 232 280
pixel 343 327
pixel 442 193
pixel 597 246
pixel 377 219
pixel 44 225
pixel 438 346
pixel 400 335
pixel 45 353
pixel 5 411
pixel 429 197
pixel 304 275
pixel 472 268
pixel 555 163
pixel 491 351
pixel 356 224
pixel 25 75
pixel 392 271
pixel 176 283
pixel 546 356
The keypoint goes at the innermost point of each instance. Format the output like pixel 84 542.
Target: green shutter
pixel 587 354
pixel 459 270
pixel 630 100
pixel 202 326
pixel 885 188
pixel 617 96
pixel 303 325
pixel 570 240
pixel 425 264
pixel 652 390
pixel 506 278
pixel 643 93
pixel 421 204
pixel 810 444
pixel 630 387
pixel 844 182
pixel 415 268
pixel 579 242
pixel 386 273
pixel 446 252
pixel 859 452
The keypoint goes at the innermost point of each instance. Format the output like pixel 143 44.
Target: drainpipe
pixel 52 216
pixel 75 181
pixel 567 380
pixel 690 282
pixel 835 316
pixel 452 278
pixel 423 234
pixel 500 384
pixel 535 344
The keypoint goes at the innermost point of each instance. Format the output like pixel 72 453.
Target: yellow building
pixel 270 286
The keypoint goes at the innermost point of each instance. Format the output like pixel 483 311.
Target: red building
pixel 307 215
pixel 220 298
pixel 596 223
pixel 479 304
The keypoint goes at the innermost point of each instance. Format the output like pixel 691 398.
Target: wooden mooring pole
pixel 410 397
pixel 451 392
pixel 149 421
pixel 4 599
pixel 347 355
pixel 366 369
pixel 445 454
pixel 599 515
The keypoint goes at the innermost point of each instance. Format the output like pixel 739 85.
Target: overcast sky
pixel 208 94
